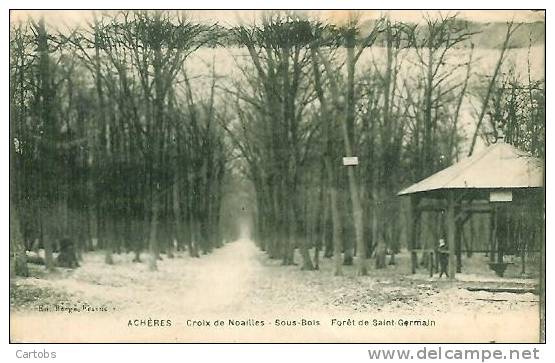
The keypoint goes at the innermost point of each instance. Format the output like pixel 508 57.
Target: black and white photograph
pixel 277 176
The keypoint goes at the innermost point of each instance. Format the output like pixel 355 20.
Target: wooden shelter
pixel 500 176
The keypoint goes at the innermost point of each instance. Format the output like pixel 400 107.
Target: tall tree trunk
pixel 103 146
pixel 48 170
pixel 328 165
pixel 178 232
pixel 337 245
pixel 18 258
pixel 153 241
pixel 157 150
pixel 353 184
pixel 305 240
pixel 353 187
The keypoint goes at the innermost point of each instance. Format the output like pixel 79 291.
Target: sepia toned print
pixel 277 176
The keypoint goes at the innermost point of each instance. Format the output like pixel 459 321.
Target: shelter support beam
pixel 414 221
pixel 493 235
pixel 458 245
pixel 451 226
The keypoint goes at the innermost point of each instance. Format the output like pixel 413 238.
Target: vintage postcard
pixel 315 176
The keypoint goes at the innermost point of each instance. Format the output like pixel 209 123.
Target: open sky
pixel 232 17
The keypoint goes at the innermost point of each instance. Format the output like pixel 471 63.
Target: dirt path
pixel 222 281
pixel 183 290
pixel 237 294
pixel 212 283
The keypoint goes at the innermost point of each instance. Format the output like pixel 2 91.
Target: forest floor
pixel 257 299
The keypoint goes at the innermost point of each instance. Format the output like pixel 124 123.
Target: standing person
pixel 443 257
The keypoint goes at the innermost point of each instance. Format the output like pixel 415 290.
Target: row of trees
pixel 110 144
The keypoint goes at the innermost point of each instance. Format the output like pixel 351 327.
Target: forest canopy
pixel 149 131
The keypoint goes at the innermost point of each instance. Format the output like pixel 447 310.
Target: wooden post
pixel 431 263
pixel 458 245
pixel 413 228
pixel 493 233
pixel 500 244
pixel 520 241
pixel 451 232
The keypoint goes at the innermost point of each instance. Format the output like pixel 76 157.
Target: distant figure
pixel 68 256
pixel 443 253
